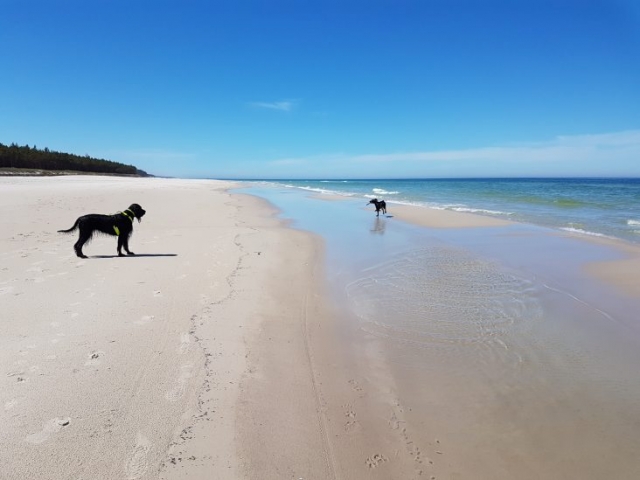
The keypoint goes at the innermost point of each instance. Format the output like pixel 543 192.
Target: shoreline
pixel 621 273
pixel 579 205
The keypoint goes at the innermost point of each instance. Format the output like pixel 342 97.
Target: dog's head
pixel 373 200
pixel 137 210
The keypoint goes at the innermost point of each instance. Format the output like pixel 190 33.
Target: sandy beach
pixel 133 367
pixel 232 346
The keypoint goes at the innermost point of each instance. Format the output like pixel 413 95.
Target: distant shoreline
pixel 594 207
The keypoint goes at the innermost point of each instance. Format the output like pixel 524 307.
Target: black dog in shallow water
pixel 119 224
pixel 381 206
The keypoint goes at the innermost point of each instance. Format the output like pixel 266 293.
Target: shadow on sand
pixel 137 255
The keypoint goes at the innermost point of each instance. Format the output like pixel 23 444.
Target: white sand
pixel 131 367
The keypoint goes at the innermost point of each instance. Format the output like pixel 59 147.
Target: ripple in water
pixel 440 296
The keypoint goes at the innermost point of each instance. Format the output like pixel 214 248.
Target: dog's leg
pixel 78 249
pixel 82 239
pixel 123 242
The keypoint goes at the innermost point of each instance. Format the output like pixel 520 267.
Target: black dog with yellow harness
pixel 119 224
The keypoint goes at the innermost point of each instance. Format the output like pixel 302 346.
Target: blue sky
pixel 327 89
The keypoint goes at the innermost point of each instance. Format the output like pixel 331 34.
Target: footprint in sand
pixel 137 464
pixel 356 387
pixel 351 423
pixel 49 428
pixel 375 460
pixel 178 391
pixel 94 358
pixel 19 376
pixel 157 293
pixel 348 411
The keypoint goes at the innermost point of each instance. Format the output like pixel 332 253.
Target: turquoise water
pixel 600 207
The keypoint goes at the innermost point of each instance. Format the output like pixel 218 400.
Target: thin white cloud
pixel 598 154
pixel 283 106
pixel 562 148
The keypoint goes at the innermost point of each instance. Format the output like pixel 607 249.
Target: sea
pixel 603 207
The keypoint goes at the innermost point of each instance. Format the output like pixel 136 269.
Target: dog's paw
pixel 130 253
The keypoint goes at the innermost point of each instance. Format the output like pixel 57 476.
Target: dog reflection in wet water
pixel 119 224
pixel 381 206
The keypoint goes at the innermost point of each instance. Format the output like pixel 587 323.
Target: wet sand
pixel 476 348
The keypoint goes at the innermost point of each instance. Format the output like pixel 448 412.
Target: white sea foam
pixel 381 191
pixel 324 191
pixel 438 206
pixel 480 210
pixel 314 189
pixel 634 223
pixel 580 231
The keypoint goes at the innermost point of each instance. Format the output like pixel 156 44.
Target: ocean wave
pixel 483 211
pixel 324 191
pixel 381 191
pixel 634 223
pixel 584 232
pixel 457 207
pixel 334 181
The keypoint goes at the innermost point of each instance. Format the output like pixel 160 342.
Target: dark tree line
pixel 13 156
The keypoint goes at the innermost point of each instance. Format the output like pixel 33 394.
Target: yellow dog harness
pixel 129 215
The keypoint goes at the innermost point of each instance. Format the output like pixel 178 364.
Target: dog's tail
pixel 75 225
